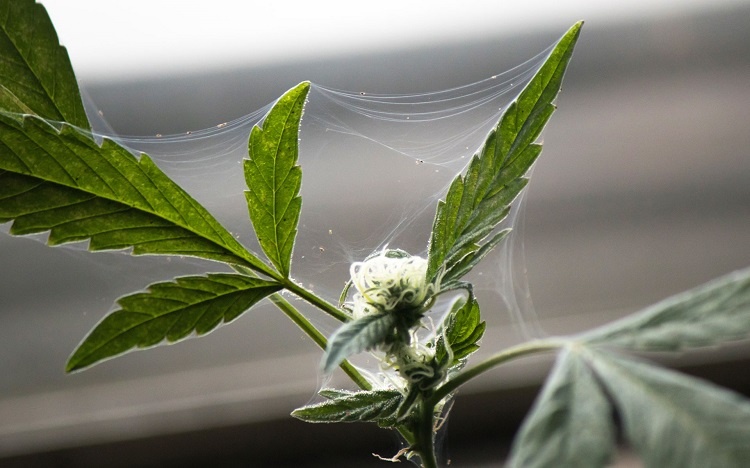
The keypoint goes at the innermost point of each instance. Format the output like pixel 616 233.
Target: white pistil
pixel 385 283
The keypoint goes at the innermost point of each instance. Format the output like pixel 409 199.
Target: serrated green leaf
pixel 675 421
pixel 170 312
pixel 366 406
pixel 332 393
pixel 63 182
pixel 463 330
pixel 471 344
pixel 388 417
pixel 716 312
pixel 356 336
pixel 10 103
pixel 570 424
pixel 468 262
pixel 479 200
pixel 35 68
pixel 273 178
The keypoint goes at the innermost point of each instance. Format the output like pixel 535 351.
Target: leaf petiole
pixel 314 334
pixel 509 354
pixel 315 300
pixel 306 326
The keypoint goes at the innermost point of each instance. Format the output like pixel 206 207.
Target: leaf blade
pixel 36 69
pixel 365 406
pixel 470 210
pixel 170 311
pixel 356 336
pixel 463 331
pixel 673 420
pixel 63 182
pixel 273 178
pixel 570 423
pixel 710 314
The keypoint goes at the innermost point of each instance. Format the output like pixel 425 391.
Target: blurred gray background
pixel 641 192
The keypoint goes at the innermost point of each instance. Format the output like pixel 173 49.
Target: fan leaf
pixel 170 312
pixel 479 200
pixel 65 183
pixel 36 70
pixel 672 420
pixel 273 178
pixel 716 312
pixel 570 424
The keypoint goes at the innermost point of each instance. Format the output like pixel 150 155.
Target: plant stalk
pixel 313 299
pixel 305 325
pixel 524 349
pixel 425 436
pixel 317 337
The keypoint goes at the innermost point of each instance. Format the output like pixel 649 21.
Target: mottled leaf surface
pixel 35 68
pixel 273 178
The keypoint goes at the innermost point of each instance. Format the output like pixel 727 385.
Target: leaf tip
pixel 575 30
pixel 73 365
pixel 328 363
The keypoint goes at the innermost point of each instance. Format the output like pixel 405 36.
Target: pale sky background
pixel 121 39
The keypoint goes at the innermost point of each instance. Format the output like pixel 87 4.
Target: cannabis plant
pixel 57 177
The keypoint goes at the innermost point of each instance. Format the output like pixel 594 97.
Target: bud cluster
pixel 390 281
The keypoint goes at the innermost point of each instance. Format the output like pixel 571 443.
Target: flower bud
pixel 389 281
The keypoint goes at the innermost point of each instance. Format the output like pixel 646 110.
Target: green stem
pixel 306 326
pixel 425 436
pixel 295 288
pixel 524 349
pixel 317 337
pixel 318 302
